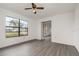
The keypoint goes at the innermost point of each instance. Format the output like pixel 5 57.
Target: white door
pixel 46 30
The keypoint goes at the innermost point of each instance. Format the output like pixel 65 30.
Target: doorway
pixel 46 30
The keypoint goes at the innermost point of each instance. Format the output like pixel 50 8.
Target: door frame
pixel 41 28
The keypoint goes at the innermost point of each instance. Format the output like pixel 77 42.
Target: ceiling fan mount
pixel 34 8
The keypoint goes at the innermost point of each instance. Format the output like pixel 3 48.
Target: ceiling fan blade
pixel 27 8
pixel 40 7
pixel 33 5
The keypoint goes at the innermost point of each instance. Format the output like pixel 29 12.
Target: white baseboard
pixel 77 48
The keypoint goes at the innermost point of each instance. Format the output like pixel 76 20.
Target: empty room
pixel 39 29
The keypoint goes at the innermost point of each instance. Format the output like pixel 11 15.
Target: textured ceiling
pixel 50 9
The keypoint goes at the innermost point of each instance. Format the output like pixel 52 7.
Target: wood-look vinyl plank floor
pixel 39 48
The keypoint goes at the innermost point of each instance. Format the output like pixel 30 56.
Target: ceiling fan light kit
pixel 34 11
pixel 34 7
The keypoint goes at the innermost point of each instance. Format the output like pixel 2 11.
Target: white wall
pixel 9 41
pixel 62 28
pixel 76 27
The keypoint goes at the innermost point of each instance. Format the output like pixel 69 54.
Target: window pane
pixel 23 31
pixel 11 32
pixel 12 21
pixel 16 27
pixel 23 24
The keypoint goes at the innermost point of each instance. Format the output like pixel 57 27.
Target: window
pixel 16 27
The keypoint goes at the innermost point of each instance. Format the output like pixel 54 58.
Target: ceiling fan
pixel 34 8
